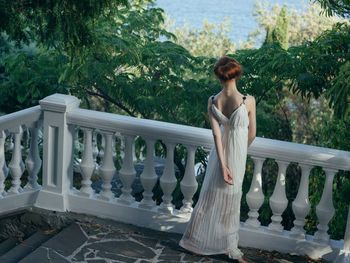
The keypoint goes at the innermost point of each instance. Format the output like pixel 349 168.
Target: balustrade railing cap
pixel 59 102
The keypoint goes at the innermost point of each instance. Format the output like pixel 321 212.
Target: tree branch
pixel 106 97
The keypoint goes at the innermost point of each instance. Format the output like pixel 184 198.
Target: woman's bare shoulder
pixel 250 99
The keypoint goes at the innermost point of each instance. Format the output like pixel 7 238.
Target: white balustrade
pixel 148 177
pixel 61 113
pixel 255 196
pixel 278 201
pixel 107 169
pixel 87 165
pixel 168 180
pixel 301 205
pixel 325 209
pixel 127 172
pixel 15 165
pixel 189 183
pixel 3 166
pixel 33 161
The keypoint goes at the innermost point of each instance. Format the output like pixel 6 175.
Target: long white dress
pixel 214 223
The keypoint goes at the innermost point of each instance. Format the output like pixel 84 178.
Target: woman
pixel 214 223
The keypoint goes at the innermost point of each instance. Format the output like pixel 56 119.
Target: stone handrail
pixel 62 117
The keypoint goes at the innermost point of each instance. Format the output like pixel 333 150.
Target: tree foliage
pixel 69 23
pixel 303 26
pixel 338 7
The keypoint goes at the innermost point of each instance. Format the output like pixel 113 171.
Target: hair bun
pixel 227 68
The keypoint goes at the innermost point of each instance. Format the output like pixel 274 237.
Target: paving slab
pixel 93 240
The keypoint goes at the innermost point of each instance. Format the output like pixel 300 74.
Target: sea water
pixel 240 13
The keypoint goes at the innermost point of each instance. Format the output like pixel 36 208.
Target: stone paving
pixel 95 240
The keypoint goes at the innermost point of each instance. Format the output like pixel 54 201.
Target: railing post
pixel 16 165
pixel 325 209
pixel 33 161
pixel 87 164
pixel 3 168
pixel 148 177
pixel 278 200
pixel 189 184
pixel 107 169
pixel 255 196
pixel 127 173
pixel 344 254
pixel 168 180
pixel 58 152
pixel 301 205
pixel 347 234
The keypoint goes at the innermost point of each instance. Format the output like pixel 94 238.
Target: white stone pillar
pixel 325 209
pixel 168 180
pixel 33 161
pixel 107 169
pixel 127 172
pixel 189 183
pixel 3 167
pixel 278 201
pixel 58 152
pixel 301 205
pixel 87 165
pixel 15 167
pixel 255 196
pixel 148 177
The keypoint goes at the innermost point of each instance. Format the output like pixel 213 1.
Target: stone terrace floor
pixel 94 240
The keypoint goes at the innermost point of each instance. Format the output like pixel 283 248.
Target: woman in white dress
pixel 214 223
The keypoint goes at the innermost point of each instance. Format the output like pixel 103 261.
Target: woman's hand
pixel 227 175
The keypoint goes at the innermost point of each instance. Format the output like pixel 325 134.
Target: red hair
pixel 227 68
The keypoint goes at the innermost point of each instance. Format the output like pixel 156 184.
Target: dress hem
pixel 194 249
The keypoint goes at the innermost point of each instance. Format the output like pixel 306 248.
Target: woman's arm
pixel 215 127
pixel 252 120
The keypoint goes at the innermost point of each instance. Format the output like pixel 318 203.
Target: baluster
pixel 347 235
pixel 76 141
pixel 87 165
pixel 325 208
pixel 3 167
pixel 33 161
pixel 148 177
pixel 278 201
pixel 95 148
pixel 255 196
pixel 168 180
pixel 127 173
pixel 15 166
pixel 189 183
pixel 114 151
pixel 101 152
pixel 301 205
pixel 107 169
pixel 27 143
pixel 10 144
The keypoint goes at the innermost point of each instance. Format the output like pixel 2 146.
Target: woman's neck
pixel 229 87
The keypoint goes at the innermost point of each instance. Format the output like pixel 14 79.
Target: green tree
pixel 338 7
pixel 68 23
pixel 211 41
pixel 280 32
pixel 303 26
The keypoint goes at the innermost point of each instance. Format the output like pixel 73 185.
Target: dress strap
pixel 244 97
